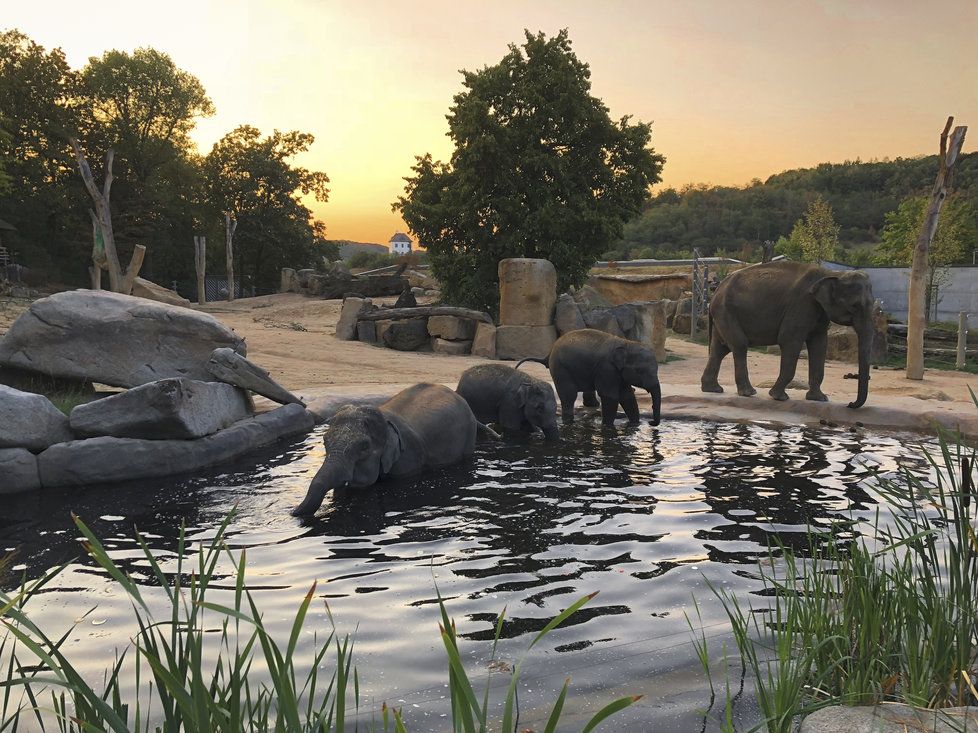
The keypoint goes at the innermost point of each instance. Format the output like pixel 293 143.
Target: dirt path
pixel 292 337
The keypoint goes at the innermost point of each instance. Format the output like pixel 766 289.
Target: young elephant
pixel 424 425
pixel 587 360
pixel 516 401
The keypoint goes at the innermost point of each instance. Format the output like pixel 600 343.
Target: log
pixel 917 298
pixel 132 272
pixel 393 314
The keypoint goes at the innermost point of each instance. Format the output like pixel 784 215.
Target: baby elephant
pixel 516 401
pixel 424 425
pixel 587 360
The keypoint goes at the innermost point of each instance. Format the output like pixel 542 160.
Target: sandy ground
pixel 292 337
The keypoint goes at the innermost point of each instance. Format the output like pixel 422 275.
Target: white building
pixel 400 244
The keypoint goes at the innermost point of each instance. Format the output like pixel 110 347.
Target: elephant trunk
pixel 865 332
pixel 656 393
pixel 550 431
pixel 333 473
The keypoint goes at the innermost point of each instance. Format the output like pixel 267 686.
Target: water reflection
pixel 640 514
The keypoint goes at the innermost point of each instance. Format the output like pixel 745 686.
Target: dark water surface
pixel 644 515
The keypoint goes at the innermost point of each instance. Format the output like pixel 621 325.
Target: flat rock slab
pixel 18 471
pixel 179 409
pixel 114 339
pixel 30 421
pixel 889 718
pixel 451 328
pixel 107 460
pixel 229 366
pixel 456 348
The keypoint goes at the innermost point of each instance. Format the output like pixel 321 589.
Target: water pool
pixel 643 515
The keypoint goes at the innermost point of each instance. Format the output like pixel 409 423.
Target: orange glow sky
pixel 735 89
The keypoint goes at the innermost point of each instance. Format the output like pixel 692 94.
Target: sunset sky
pixel 735 89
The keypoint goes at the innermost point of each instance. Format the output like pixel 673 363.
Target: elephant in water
pixel 424 425
pixel 589 361
pixel 789 304
pixel 516 401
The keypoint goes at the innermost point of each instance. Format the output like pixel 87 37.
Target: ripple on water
pixel 645 516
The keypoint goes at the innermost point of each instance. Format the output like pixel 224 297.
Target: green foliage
pixel 956 236
pixel 371 260
pixel 816 235
pixel 196 666
pixel 539 170
pixel 252 177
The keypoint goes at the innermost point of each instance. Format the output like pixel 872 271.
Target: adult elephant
pixel 421 426
pixel 589 361
pixel 514 400
pixel 789 304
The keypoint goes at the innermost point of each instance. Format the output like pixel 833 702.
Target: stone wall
pixel 618 289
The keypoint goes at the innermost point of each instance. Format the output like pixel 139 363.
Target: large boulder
pixel 452 328
pixel 682 319
pixel 367 332
pixel 650 327
pixel 603 319
pixel 346 326
pixel 143 288
pixel 843 344
pixel 567 315
pixel 484 343
pixel 519 342
pixel 588 298
pixel 30 421
pixel 229 366
pixel 180 409
pixel 107 459
pixel 121 340
pixel 18 467
pixel 527 292
pixel 409 334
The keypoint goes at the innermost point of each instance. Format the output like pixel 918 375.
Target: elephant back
pixel 440 420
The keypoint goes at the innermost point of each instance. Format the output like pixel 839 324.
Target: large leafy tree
pixel 814 237
pixel 539 170
pixel 40 110
pixel 252 178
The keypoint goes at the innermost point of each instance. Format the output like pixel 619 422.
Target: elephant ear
pixel 619 355
pixel 511 407
pixel 392 449
pixel 823 291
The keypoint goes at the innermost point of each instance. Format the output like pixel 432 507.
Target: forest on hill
pixel 737 220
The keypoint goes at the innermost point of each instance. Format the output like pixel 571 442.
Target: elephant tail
pixel 487 431
pixel 545 361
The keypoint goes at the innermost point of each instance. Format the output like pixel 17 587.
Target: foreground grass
pixel 890 616
pixel 187 678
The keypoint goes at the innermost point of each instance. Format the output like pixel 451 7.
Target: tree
pixel 539 170
pixel 250 177
pixel 816 234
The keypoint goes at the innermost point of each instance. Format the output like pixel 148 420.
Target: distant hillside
pixel 727 219
pixel 348 248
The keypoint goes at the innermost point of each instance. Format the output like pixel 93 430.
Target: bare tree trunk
pixel 104 253
pixel 229 227
pixel 200 260
pixel 917 305
pixel 95 273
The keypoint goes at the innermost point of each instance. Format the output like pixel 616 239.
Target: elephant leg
pixel 567 398
pixel 817 344
pixel 789 361
pixel 590 399
pixel 718 350
pixel 630 405
pixel 609 410
pixel 744 388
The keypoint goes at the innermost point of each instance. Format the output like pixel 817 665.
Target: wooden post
pixel 962 340
pixel 229 226
pixel 917 301
pixel 200 260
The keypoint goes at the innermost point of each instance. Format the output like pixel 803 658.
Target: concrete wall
pixel 960 293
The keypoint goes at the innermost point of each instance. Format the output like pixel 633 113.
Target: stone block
pixel 167 409
pixel 519 342
pixel 288 283
pixel 843 344
pixel 527 292
pixel 367 331
pixel 451 327
pixel 346 326
pixel 230 367
pixel 106 459
pixel 446 346
pixel 650 327
pixel 567 315
pixel 120 340
pixel 484 343
pixel 409 334
pixel 18 471
pixel 30 421
pixel 382 327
